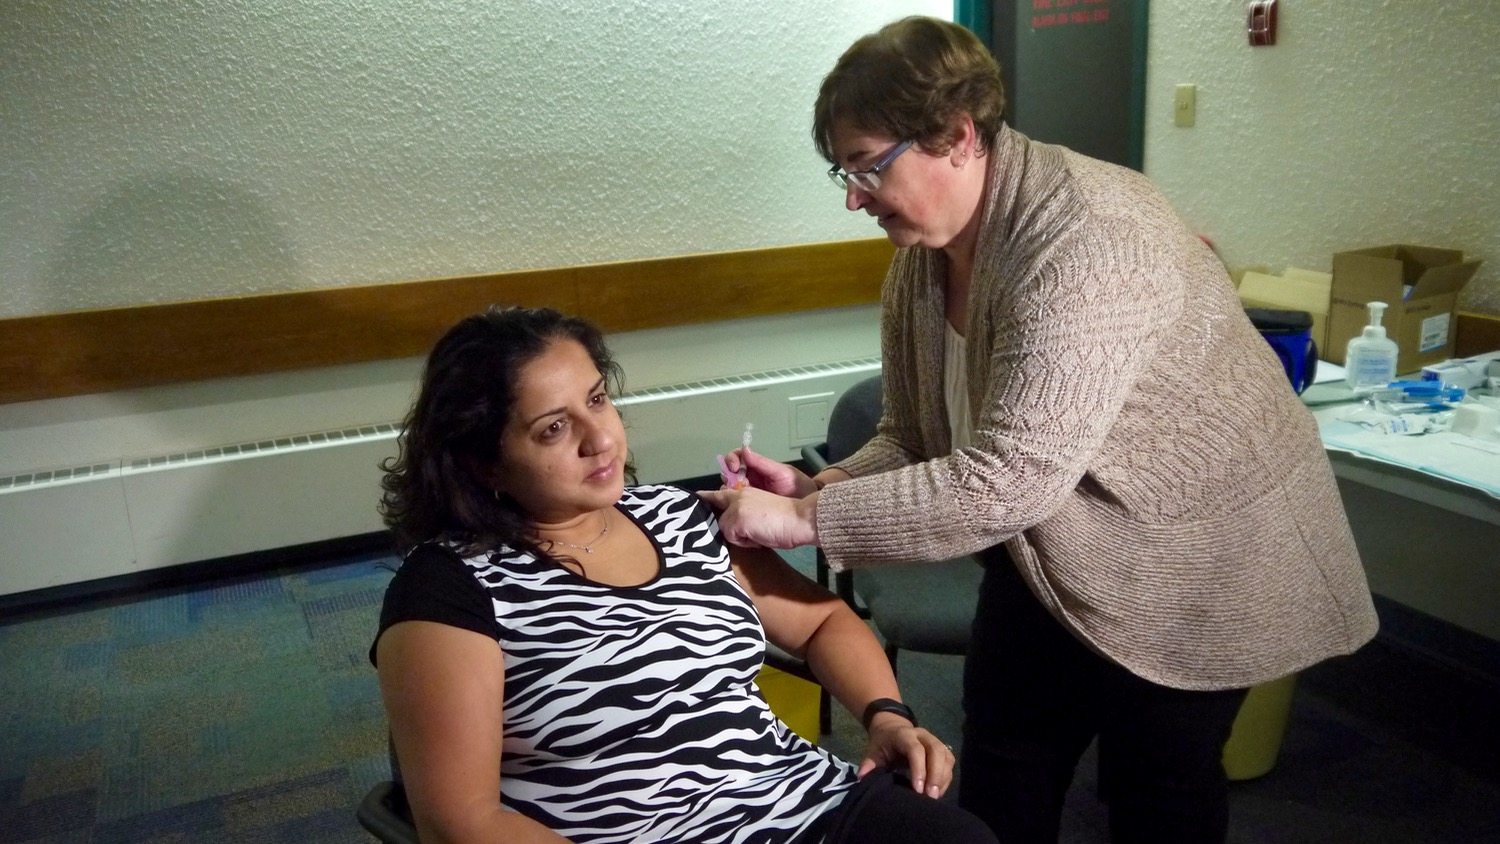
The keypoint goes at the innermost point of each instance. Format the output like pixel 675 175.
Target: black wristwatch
pixel 885 704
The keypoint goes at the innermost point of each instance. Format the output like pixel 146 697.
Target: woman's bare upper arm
pixel 791 605
pixel 444 692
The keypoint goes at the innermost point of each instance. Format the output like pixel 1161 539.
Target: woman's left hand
pixel 755 518
pixel 895 743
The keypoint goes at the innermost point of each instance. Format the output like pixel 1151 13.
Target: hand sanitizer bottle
pixel 1370 361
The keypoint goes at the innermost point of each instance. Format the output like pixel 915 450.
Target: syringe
pixel 737 479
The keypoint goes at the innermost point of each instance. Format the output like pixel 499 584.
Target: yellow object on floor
pixel 793 699
pixel 1255 739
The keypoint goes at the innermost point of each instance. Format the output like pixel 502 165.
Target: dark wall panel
pixel 1075 73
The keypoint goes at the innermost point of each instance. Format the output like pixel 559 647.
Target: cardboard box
pixel 1294 290
pixel 1419 283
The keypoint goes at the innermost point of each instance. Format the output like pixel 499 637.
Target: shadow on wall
pixel 170 237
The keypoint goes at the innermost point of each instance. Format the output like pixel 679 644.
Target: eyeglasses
pixel 867 180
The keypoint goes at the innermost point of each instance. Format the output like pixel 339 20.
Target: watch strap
pixel 885 704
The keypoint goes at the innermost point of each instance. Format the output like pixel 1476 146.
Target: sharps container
pixel 1290 336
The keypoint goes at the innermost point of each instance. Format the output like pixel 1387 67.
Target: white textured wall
pixel 1369 122
pixel 164 149
pixel 160 150
pixel 173 150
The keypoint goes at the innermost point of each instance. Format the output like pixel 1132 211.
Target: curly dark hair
pixel 908 80
pixel 437 485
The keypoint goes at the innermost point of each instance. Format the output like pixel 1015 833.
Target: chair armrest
pixel 815 458
pixel 384 814
pixel 782 661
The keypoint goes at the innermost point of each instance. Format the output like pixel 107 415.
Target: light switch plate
pixel 1185 105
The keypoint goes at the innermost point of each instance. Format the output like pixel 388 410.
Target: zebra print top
pixel 630 712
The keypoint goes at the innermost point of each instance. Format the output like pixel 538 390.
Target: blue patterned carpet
pixel 245 711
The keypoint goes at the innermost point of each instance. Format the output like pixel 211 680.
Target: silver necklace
pixel 589 548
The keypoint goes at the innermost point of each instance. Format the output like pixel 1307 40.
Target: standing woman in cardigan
pixel 1073 391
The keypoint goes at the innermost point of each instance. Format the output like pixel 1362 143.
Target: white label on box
pixel 1435 332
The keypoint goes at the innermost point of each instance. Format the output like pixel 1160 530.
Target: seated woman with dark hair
pixel 564 657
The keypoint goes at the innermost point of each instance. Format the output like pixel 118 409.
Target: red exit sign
pixel 1050 13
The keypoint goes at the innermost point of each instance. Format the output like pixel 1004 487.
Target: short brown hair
pixel 909 80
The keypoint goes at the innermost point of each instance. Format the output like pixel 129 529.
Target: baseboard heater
pixel 133 515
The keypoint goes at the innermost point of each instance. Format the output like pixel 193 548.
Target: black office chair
pixel 385 814
pixel 925 607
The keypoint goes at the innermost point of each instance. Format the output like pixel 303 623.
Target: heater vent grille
pixel 321 439
pixel 189 506
pixel 42 477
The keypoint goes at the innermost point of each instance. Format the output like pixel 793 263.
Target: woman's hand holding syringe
pixel 744 468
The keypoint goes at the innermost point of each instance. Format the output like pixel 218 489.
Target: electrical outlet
pixel 808 419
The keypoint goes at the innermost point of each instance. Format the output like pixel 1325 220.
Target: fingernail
pixel 933 791
pixel 918 785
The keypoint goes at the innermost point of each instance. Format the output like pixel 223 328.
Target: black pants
pixel 1035 697
pixel 883 809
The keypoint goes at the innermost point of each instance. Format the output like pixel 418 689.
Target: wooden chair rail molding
pixel 82 352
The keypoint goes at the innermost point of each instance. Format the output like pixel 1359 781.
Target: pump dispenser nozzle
pixel 1377 310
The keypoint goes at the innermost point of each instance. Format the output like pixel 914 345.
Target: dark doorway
pixel 1075 73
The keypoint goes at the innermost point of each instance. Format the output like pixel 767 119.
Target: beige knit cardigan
pixel 1136 444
